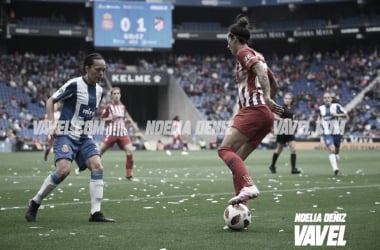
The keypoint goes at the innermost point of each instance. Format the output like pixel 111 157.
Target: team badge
pixel 65 148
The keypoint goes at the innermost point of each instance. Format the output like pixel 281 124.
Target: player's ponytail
pixel 240 28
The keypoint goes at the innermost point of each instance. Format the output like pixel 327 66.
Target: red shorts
pixel 177 137
pixel 109 140
pixel 254 122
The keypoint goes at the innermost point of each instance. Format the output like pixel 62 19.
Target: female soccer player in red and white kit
pixel 254 119
pixel 116 115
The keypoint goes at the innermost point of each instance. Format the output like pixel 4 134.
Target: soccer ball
pixel 237 217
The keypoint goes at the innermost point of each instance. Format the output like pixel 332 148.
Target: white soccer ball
pixel 237 217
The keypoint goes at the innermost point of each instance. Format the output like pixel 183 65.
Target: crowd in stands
pixel 207 81
pixel 26 81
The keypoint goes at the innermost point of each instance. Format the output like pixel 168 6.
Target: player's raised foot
pixel 77 172
pixel 272 169
pixel 99 217
pixel 31 213
pixel 336 171
pixel 296 171
pixel 246 193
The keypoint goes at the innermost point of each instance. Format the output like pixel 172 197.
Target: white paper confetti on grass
pixel 148 207
pixel 173 202
pixel 273 180
pixel 377 203
pixel 339 208
pixel 315 206
pixel 299 192
pixel 281 230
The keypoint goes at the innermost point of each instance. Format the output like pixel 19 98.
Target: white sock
pixel 333 163
pixel 47 186
pixel 337 157
pixel 96 193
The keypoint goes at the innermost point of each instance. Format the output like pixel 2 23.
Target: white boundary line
pixel 196 195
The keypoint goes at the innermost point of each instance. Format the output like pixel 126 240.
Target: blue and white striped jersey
pixel 332 125
pixel 80 102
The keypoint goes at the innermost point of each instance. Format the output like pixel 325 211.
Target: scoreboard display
pixel 133 25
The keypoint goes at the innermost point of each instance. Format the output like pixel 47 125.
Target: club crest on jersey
pixel 247 57
pixel 65 148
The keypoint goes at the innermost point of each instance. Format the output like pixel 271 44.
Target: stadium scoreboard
pixel 133 25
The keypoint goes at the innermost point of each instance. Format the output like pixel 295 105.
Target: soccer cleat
pixel 99 217
pixel 336 171
pixel 272 169
pixel 129 177
pixel 246 193
pixel 77 171
pixel 296 171
pixel 31 214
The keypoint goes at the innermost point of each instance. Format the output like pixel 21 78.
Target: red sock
pixel 129 165
pixel 240 175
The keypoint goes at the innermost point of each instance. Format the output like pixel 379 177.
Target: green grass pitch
pixel 177 202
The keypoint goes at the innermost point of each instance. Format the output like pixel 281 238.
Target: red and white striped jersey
pixel 115 127
pixel 250 92
pixel 176 128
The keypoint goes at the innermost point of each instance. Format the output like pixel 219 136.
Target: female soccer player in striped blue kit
pixel 330 118
pixel 81 97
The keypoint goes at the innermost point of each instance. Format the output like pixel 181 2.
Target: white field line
pixel 196 195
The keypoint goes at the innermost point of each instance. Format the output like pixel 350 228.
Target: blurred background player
pixel 286 139
pixel 116 115
pixel 50 141
pixel 330 117
pixel 177 137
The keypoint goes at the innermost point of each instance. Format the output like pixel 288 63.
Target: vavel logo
pixel 330 233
